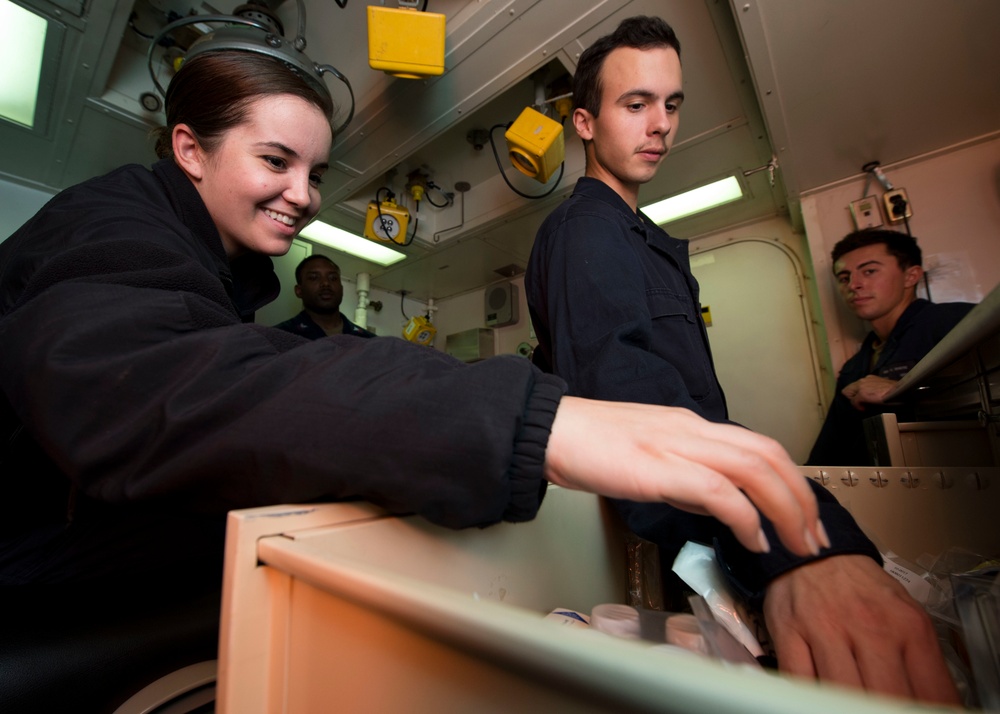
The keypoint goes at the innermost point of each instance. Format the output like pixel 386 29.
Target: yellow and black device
pixel 405 42
pixel 420 330
pixel 386 221
pixel 536 145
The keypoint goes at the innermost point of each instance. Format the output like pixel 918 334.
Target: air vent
pixel 501 305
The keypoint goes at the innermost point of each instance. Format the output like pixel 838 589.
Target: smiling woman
pixel 256 158
pixel 260 183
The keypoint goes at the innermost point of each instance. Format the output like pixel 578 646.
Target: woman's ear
pixel 188 152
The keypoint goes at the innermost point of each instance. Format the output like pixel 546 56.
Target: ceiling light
pixel 23 45
pixel 339 239
pixel 694 201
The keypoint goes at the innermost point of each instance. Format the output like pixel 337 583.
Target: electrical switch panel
pixel 866 213
pixel 897 205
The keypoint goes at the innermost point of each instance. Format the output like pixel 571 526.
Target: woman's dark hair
pixel 212 92
pixel 641 32
pixel 900 245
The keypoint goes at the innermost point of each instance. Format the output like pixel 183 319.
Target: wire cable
pixel 378 209
pixel 136 30
pixel 385 224
pixel 447 202
pixel 416 222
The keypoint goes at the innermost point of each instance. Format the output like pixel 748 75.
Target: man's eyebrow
pixel 636 94
pixel 648 94
pixel 847 271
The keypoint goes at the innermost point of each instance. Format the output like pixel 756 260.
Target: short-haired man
pixel 877 272
pixel 317 284
pixel 615 309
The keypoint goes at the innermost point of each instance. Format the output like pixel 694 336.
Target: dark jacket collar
pixel 673 249
pixel 249 279
pixel 187 204
pixel 909 316
pixel 596 190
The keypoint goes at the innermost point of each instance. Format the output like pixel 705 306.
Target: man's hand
pixel 843 619
pixel 671 455
pixel 868 390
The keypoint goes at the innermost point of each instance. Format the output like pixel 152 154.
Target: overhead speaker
pixel 501 305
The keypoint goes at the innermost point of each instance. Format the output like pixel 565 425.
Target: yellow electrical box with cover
pixel 405 42
pixel 536 144
pixel 386 221
pixel 420 330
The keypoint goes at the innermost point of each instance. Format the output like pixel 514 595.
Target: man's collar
pixel 905 319
pixel 597 190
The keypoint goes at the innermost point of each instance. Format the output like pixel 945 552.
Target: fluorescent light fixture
pixel 339 239
pixel 22 47
pixel 694 201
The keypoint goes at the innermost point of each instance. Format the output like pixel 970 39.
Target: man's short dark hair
pixel 641 32
pixel 901 245
pixel 307 259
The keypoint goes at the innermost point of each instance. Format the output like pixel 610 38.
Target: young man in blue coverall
pixel 616 312
pixel 877 272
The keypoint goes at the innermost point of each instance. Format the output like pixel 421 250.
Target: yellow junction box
pixel 536 144
pixel 386 221
pixel 406 43
pixel 420 330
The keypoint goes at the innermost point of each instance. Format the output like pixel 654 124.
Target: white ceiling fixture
pixel 339 239
pixel 696 200
pixel 23 47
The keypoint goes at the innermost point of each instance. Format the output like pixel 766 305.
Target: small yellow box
pixel 406 43
pixel 536 144
pixel 386 222
pixel 420 330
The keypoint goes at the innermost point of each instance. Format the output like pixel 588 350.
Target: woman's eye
pixel 316 179
pixel 275 161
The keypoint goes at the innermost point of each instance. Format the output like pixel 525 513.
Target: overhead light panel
pixel 694 201
pixel 23 47
pixel 339 239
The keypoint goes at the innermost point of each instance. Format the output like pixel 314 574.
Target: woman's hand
pixel 650 453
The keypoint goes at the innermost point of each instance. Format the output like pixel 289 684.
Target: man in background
pixel 616 312
pixel 877 272
pixel 317 284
